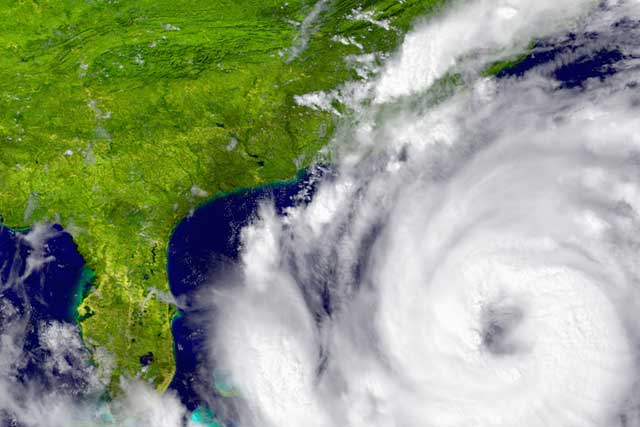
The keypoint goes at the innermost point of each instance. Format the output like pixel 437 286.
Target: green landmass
pixel 117 118
pixel 504 64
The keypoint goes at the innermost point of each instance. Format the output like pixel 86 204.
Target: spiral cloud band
pixel 472 261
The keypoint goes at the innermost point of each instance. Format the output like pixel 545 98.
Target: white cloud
pixel 488 27
pixel 480 253
pixel 480 256
pixel 66 389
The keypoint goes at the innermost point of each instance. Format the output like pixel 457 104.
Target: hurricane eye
pixel 499 324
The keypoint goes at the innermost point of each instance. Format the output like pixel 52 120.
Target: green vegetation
pixel 119 117
pixel 498 66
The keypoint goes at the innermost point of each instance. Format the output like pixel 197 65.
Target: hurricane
pixel 465 251
pixel 471 258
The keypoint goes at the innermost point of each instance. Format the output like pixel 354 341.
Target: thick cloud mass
pixel 472 262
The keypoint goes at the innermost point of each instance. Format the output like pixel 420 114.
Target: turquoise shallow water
pixel 204 417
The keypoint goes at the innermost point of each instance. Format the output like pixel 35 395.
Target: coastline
pixel 205 244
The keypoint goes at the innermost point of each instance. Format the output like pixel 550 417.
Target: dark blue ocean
pixel 201 246
pixel 205 245
pixel 42 281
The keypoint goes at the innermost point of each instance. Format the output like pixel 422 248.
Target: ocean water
pixel 42 281
pixel 205 245
pixel 43 277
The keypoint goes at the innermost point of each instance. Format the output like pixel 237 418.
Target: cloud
pixel 472 261
pixel 46 378
pixel 479 255
pixel 491 28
